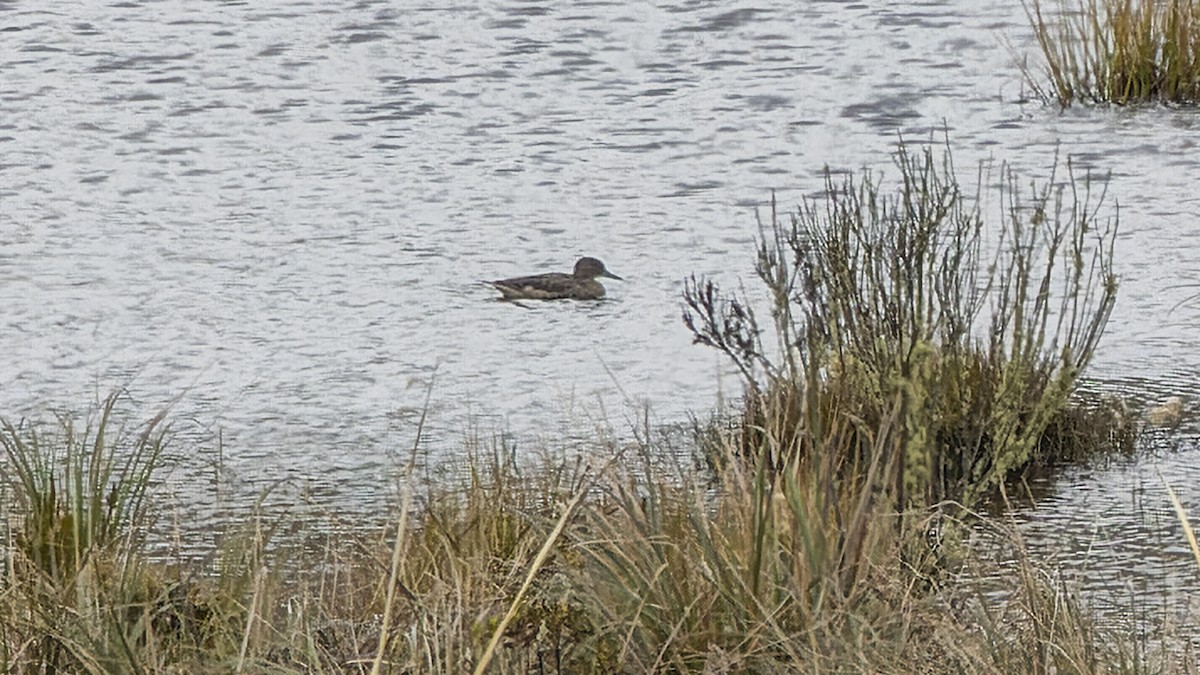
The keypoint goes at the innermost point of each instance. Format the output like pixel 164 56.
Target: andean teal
pixel 580 285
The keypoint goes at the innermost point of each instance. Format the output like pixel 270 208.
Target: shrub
pixel 973 332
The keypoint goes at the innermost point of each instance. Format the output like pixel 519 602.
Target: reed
pixel 1116 51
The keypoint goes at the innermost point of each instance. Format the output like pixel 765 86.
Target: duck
pixel 579 285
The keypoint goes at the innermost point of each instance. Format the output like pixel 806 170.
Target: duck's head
pixel 590 268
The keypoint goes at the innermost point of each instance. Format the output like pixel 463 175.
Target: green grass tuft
pixel 1117 51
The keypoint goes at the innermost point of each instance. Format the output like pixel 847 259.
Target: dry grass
pixel 1181 513
pixel 633 565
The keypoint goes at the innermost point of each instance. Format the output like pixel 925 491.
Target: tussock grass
pixel 1041 626
pixel 764 570
pixel 78 509
pixel 1116 51
pixel 80 491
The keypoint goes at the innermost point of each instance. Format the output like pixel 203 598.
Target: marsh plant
pixel 1116 51
pixel 76 512
pixel 913 309
pixel 624 564
pixel 79 491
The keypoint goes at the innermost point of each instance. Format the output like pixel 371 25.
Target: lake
pixel 275 216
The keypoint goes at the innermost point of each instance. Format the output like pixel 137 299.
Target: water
pixel 275 215
pixel 1111 534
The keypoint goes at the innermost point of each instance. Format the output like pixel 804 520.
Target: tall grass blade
pixel 1181 513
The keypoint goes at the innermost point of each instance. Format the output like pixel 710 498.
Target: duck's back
pixel 553 286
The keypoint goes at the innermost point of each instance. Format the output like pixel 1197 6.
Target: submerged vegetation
pixel 923 358
pixel 1117 51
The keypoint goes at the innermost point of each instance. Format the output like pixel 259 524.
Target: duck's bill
pixel 610 275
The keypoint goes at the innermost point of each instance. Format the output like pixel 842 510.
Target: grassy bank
pixel 627 564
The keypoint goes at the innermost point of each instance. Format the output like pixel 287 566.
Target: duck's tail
pixel 507 294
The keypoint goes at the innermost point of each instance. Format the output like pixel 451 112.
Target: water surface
pixel 276 215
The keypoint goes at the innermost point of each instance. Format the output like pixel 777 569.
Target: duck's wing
pixel 539 287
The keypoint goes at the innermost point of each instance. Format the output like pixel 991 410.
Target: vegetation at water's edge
pixel 1116 51
pixel 561 567
pixel 916 309
pixel 923 361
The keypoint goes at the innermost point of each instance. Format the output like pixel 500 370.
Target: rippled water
pixel 278 213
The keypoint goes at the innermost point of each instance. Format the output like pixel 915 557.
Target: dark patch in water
pixel 884 114
pixel 722 22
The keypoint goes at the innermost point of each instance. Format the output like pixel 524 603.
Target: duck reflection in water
pixel 579 285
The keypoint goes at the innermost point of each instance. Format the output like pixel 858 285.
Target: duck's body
pixel 580 285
